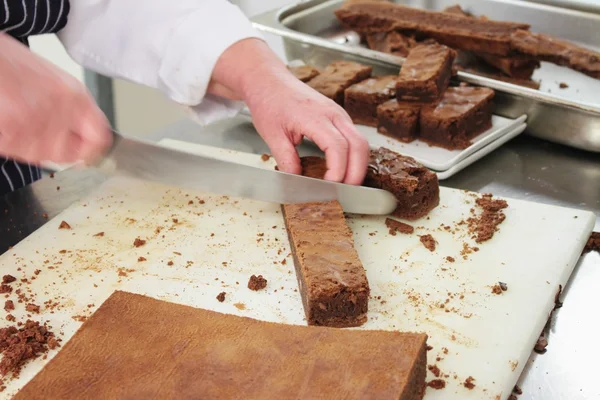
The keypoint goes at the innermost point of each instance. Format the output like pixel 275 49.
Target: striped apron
pixel 21 19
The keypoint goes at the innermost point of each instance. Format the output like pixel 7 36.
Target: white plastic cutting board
pixel 215 243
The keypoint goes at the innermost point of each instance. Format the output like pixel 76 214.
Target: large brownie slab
pixel 461 114
pixel 416 188
pixel 136 347
pixel 393 42
pixel 471 34
pixel 426 73
pixel 361 99
pixel 337 77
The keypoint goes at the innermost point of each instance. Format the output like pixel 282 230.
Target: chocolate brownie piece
pixel 136 347
pixel 461 114
pixel 313 167
pixel 548 48
pixel 416 188
pixel 361 99
pixel 426 73
pixel 332 280
pixel 478 68
pixel 304 72
pixel 393 42
pixel 399 120
pixel 337 77
pixel 473 34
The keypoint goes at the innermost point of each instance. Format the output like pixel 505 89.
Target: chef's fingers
pixel 358 153
pixel 334 145
pixel 94 133
pixel 285 154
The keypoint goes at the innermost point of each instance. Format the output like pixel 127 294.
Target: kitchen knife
pixel 147 161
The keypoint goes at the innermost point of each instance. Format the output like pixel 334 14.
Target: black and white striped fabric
pixel 21 19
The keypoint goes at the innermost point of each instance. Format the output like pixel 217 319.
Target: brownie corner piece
pixel 362 98
pixel 399 120
pixel 462 113
pixel 416 187
pixel 337 77
pixel 426 73
pixel 304 72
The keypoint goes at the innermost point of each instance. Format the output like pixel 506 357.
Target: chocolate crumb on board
pixel 541 345
pixel 221 297
pixel 141 259
pixel 469 383
pixel 257 282
pixel 486 224
pixel 428 241
pixel 517 390
pixel 64 225
pixel 9 305
pixel 503 286
pixel 99 234
pixel 496 289
pixel 512 397
pixel 450 259
pixel 8 279
pixel 11 318
pixel 437 384
pixel 434 370
pixel 170 263
pixel 32 308
pixel 139 242
pixel 563 85
pixel 557 302
pixel 265 157
pixel 5 288
pixel 18 345
pixel 397 226
pixel 593 243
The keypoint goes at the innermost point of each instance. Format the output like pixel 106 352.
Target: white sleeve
pixel 171 45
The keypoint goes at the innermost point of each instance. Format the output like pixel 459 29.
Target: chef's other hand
pixel 45 114
pixel 284 110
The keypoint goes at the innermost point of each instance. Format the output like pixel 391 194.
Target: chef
pixel 203 54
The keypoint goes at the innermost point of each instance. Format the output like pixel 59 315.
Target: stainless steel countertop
pixel 525 168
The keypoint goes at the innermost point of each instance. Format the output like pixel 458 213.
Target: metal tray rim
pixel 271 22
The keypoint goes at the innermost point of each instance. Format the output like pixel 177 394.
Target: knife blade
pixel 147 161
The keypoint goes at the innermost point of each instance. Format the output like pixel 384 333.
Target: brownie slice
pixel 361 99
pixel 399 120
pixel 393 42
pixel 332 281
pixel 461 114
pixel 304 72
pixel 473 34
pixel 475 66
pixel 416 188
pixel 426 73
pixel 337 77
pixel 547 48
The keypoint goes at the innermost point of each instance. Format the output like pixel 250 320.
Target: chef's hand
pixel 284 110
pixel 45 114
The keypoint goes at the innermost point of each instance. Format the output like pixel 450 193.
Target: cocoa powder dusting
pixel 428 241
pixel 18 345
pixel 257 282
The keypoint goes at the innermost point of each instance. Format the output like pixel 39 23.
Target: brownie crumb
pixel 139 242
pixel 541 345
pixel 512 397
pixel 450 259
pixel 437 384
pixel 469 383
pixel 434 370
pixel 99 234
pixel 563 85
pixel 32 308
pixel 557 302
pixel 503 286
pixel 170 263
pixel 497 289
pixel 428 241
pixel 64 225
pixel 8 279
pixel 517 390
pixel 5 288
pixel 265 157
pixel 141 259
pixel 429 348
pixel 483 227
pixel 18 345
pixel 593 243
pixel 51 174
pixel 397 226
pixel 257 282
pixel 11 318
pixel 221 297
pixel 9 305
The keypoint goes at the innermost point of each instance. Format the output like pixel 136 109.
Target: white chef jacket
pixel 170 45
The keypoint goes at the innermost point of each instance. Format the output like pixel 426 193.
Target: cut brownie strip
pixel 361 99
pixel 426 73
pixel 337 77
pixel 393 42
pixel 471 34
pixel 416 188
pixel 486 71
pixel 462 113
pixel 399 120
pixel 332 280
pixel 304 72
pixel 547 48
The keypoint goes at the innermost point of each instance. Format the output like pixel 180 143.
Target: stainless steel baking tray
pixel 570 116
